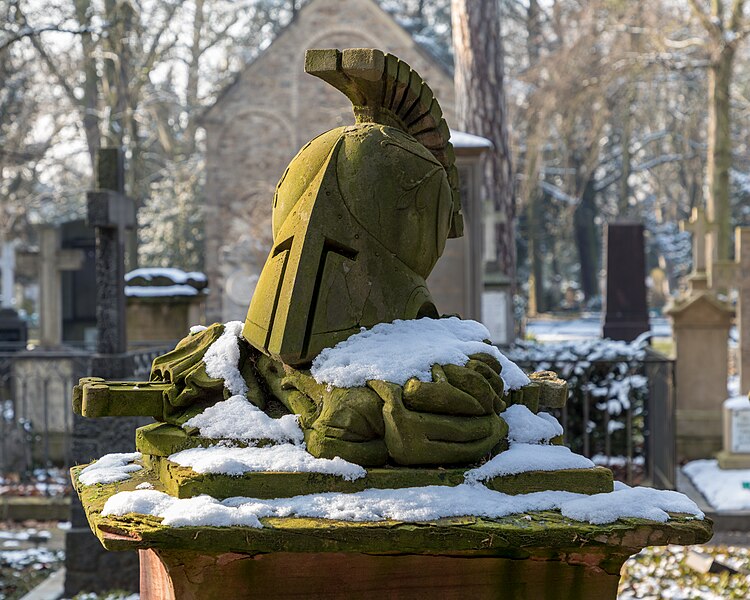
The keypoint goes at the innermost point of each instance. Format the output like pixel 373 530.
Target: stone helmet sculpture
pixel 361 214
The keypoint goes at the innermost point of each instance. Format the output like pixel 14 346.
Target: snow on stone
pixel 526 427
pixel 721 487
pixel 520 458
pixel 239 419
pixel 159 291
pixel 110 468
pixel 407 505
pixel 177 275
pixel 145 486
pixel 737 403
pixel 222 359
pixel 638 503
pixel 398 351
pixel 461 139
pixel 197 328
pixel 280 458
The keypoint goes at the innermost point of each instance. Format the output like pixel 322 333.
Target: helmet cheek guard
pixel 360 216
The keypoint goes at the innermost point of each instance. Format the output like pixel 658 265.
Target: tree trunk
pixel 719 155
pixel 481 110
pixel 534 195
pixel 89 101
pixel 586 240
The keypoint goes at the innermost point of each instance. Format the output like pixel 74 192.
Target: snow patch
pixel 222 359
pixel 737 403
pixel 527 428
pixel 159 291
pixel 239 419
pixel 110 468
pixel 627 502
pixel 521 458
pixel 177 275
pixel 723 488
pixel 398 351
pixel 197 329
pixel 282 458
pixel 406 505
pixel 461 139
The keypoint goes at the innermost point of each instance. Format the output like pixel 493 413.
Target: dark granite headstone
pixel 625 309
pixel 78 301
pixel 13 331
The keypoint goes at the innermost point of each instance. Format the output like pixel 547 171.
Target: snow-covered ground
pixel 724 489
pixel 29 552
pixel 661 573
pixel 585 327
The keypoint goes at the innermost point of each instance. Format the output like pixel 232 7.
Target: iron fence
pixel 621 414
pixel 36 419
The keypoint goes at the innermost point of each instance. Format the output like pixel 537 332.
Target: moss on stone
pixel 543 535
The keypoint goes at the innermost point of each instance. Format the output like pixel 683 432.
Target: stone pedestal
pixel 169 575
pixel 701 329
pixel 736 452
pixel 536 555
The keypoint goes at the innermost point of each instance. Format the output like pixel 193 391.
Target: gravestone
pixel 456 280
pixel 700 326
pixel 742 282
pixel 13 330
pixel 736 451
pixel 625 308
pixel 163 303
pixel 110 212
pixel 52 261
pixel 78 301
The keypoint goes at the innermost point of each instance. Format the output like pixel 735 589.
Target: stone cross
pixel 110 212
pixel 742 257
pixel 699 226
pixel 51 261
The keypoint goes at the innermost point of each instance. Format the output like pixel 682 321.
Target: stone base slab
pixel 730 460
pixel 183 482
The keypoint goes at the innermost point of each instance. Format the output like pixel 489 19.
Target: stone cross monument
pixel 700 324
pixel 110 212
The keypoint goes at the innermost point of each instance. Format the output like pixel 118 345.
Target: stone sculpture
pixel 360 217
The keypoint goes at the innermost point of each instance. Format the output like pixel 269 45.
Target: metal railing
pixel 36 418
pixel 621 414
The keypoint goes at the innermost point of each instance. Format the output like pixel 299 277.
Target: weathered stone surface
pixel 451 420
pixel 183 482
pixel 545 534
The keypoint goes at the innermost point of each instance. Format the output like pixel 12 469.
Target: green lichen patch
pixel 581 481
pixel 183 482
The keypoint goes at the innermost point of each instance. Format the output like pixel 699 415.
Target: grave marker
pixel 51 261
pixel 110 212
pixel 626 309
pixel 742 251
pixel 700 325
pixel 736 452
